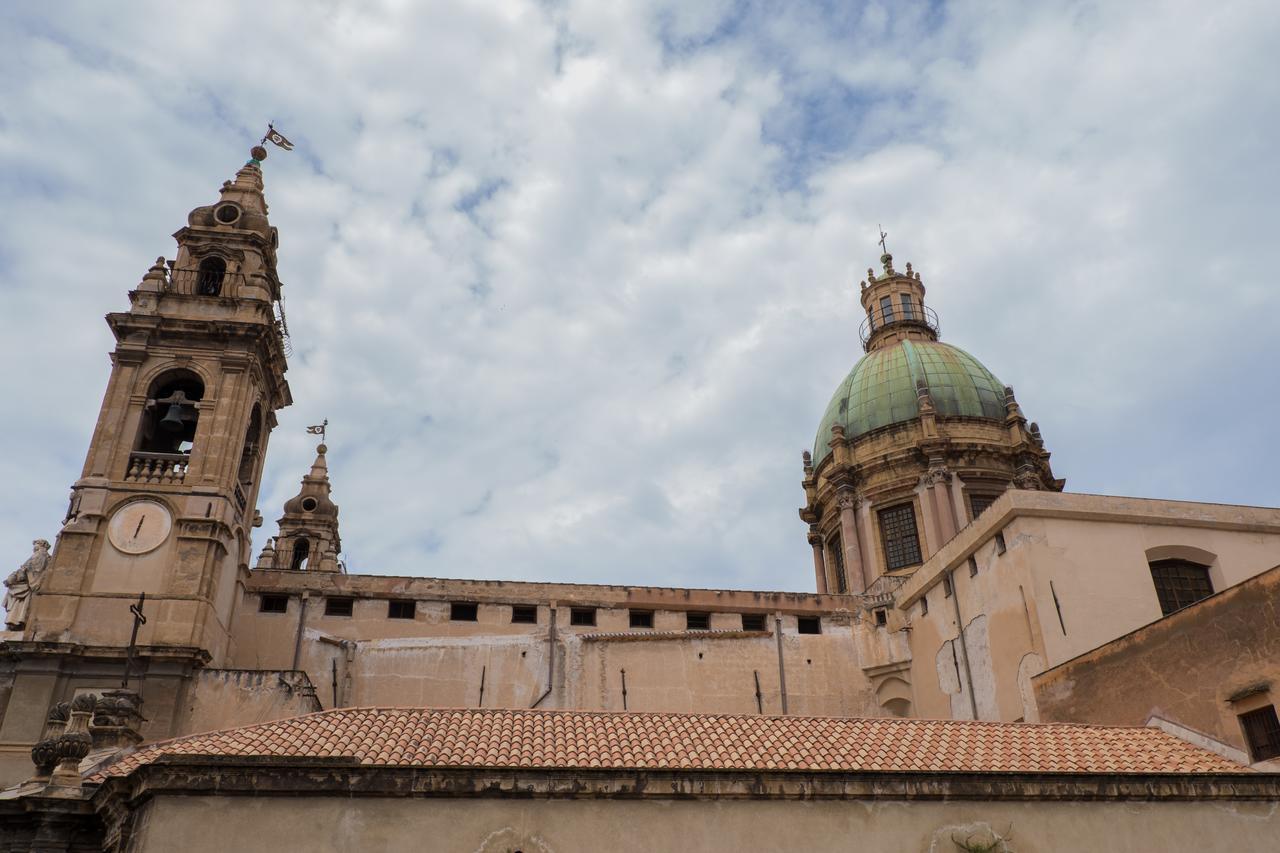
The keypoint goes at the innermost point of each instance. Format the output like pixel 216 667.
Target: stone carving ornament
pixel 23 583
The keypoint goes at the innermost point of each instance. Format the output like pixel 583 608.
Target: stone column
pixel 928 528
pixel 819 561
pixel 939 486
pixel 958 502
pixel 848 503
pixel 871 551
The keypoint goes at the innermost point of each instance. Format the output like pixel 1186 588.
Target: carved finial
pixel 1008 394
pixel 886 260
pixel 909 269
pixel 871 274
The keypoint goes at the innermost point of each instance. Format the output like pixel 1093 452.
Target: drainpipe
pixel 551 661
pixel 782 669
pixel 297 641
pixel 964 649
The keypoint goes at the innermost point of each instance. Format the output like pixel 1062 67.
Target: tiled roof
pixel 412 737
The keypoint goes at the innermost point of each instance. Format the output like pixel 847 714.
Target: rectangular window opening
pixel 753 622
pixel 946 586
pixel 697 621
pixel 641 618
pixel 338 606
pixel 973 566
pixel 463 611
pixel 978 504
pixel 886 309
pixel 924 605
pixel 1262 731
pixel 908 309
pixel 1180 583
pixel 1000 546
pixel 808 625
pixel 401 609
pixel 273 604
pixel 899 537
pixel 882 616
pixel 524 614
pixel 582 616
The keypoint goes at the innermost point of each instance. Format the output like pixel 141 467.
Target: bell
pixel 172 420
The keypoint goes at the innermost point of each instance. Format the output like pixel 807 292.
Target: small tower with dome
pixel 918 439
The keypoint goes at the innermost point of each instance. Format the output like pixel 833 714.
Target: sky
pixel 573 282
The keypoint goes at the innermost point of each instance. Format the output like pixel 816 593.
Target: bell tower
pixel 167 496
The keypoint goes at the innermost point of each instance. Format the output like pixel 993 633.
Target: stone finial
pixel 44 755
pixel 1008 395
pixel 156 279
pixel 806 460
pixel 75 743
pixel 909 269
pixel 267 558
pixel 1034 429
pixel 871 274
pixel 923 398
pixel 886 260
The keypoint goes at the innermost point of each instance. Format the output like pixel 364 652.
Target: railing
pixel 241 500
pixel 881 591
pixel 147 467
pixel 203 282
pixel 920 316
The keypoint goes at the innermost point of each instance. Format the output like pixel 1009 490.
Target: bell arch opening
pixel 210 275
pixel 301 554
pixel 171 413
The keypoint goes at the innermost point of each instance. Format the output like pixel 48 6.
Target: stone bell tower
pixel 167 496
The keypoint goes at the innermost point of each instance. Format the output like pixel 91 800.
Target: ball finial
pixel 258 153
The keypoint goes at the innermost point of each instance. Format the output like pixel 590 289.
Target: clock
pixel 140 526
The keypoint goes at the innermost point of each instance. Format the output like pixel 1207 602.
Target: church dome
pixel 881 389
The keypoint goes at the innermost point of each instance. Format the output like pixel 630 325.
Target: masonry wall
pixel 1200 668
pixel 484 825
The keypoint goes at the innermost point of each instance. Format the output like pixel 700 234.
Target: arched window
pixel 1180 583
pixel 301 551
pixel 252 448
pixel 169 419
pixel 209 278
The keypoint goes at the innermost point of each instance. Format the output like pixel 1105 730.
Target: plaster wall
pixel 485 825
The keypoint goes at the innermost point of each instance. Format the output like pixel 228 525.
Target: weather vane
pixel 318 429
pixel 275 137
pixel 883 235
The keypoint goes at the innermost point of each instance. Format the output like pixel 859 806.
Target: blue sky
pixel 573 282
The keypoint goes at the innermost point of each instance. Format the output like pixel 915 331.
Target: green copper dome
pixel 881 390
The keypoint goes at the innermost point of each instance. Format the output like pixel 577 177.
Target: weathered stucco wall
pixel 1185 668
pixel 264 823
pixel 1074 576
pixel 217 696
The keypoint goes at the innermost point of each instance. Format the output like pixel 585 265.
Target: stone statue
pixel 22 584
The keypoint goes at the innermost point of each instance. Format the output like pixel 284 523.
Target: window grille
pixel 753 622
pixel 899 537
pixel 1180 583
pixel 641 618
pixel 338 606
pixel 908 309
pixel 524 614
pixel 978 504
pixel 698 621
pixel 1262 731
pixel 401 609
pixel 886 310
pixel 837 559
pixel 582 616
pixel 273 604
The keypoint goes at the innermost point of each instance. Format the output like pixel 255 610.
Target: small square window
pixel 463 611
pixel 524 614
pixel 1262 731
pixel 946 586
pixel 338 606
pixel 882 616
pixel 401 609
pixel 973 566
pixel 753 622
pixel 1000 546
pixel 582 616
pixel 697 621
pixel 641 618
pixel 808 625
pixel 273 604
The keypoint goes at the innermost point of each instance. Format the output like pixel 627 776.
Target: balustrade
pixel 157 467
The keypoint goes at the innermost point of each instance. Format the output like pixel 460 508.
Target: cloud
pixel 573 282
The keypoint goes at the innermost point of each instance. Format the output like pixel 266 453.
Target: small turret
pixel 308 539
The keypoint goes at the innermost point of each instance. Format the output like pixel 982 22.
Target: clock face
pixel 139 527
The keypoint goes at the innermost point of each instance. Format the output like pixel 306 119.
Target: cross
pixel 882 236
pixel 138 619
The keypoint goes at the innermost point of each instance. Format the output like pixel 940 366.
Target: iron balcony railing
pixel 203 282
pixel 915 314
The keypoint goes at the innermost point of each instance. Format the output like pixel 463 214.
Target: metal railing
pixel 203 282
pixel 147 467
pixel 920 316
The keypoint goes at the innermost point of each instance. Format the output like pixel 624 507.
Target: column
pixel 819 561
pixel 848 503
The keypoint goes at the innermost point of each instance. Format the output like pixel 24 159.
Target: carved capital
pixel 847 499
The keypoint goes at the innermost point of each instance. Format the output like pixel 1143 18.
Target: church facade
pixel 954 580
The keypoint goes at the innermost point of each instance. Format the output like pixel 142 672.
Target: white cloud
pixel 574 281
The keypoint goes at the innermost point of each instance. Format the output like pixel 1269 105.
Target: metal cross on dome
pixel 883 235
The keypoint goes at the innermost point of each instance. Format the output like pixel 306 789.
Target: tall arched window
pixel 209 278
pixel 301 551
pixel 252 448
pixel 169 419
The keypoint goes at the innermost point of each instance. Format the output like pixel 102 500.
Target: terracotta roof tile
pixel 566 739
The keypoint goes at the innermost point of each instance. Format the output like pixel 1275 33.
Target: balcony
pixel 166 468
pixel 203 282
pixel 917 315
